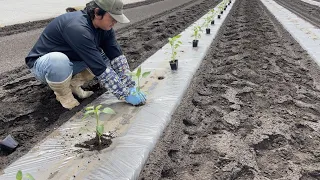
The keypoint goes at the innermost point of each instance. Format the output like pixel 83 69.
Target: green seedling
pixel 221 6
pixel 137 76
pixel 207 21
pixel 212 12
pixel 19 176
pixel 224 2
pixel 196 32
pixel 174 44
pixel 95 112
pixel 209 18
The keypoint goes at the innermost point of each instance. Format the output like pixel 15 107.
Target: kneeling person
pixel 76 47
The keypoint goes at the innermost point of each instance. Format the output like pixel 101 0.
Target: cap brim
pixel 120 18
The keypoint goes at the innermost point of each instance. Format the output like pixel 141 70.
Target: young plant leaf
pixel 108 111
pixel 89 108
pixel 145 74
pixel 100 129
pixel 19 175
pixel 87 113
pixel 29 176
pixel 98 107
pixel 138 72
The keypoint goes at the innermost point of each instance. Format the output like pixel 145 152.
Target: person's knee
pixel 60 67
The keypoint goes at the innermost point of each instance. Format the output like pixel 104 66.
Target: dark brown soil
pixel 29 110
pixel 251 112
pixel 94 145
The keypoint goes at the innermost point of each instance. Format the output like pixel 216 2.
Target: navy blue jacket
pixel 74 35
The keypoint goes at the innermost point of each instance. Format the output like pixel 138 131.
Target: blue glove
pixel 140 93
pixel 135 98
pixel 143 95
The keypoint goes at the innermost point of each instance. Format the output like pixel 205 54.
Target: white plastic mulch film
pixel 316 3
pixel 137 129
pixel 306 34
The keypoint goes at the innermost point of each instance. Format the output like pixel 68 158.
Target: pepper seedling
pixel 19 176
pixel 221 7
pixel 196 32
pixel 174 44
pixel 196 35
pixel 137 76
pixel 95 111
pixel 207 21
pixel 213 12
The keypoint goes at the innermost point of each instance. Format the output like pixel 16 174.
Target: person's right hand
pixel 140 93
pixel 135 98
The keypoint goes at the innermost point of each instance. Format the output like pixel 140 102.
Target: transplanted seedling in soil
pixel 174 44
pixel 196 34
pixel 95 112
pixel 19 176
pixel 137 76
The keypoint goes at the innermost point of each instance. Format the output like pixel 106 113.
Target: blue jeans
pixel 56 67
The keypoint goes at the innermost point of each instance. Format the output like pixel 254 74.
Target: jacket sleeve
pixel 81 40
pixel 110 45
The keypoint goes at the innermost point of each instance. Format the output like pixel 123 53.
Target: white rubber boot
pixel 78 80
pixel 63 93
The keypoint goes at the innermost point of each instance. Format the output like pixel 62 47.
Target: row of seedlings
pixel 175 43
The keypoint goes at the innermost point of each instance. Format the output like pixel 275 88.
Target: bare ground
pixel 23 27
pixel 29 110
pixel 252 110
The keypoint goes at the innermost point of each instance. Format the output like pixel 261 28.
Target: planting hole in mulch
pixel 160 77
pixel 93 144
